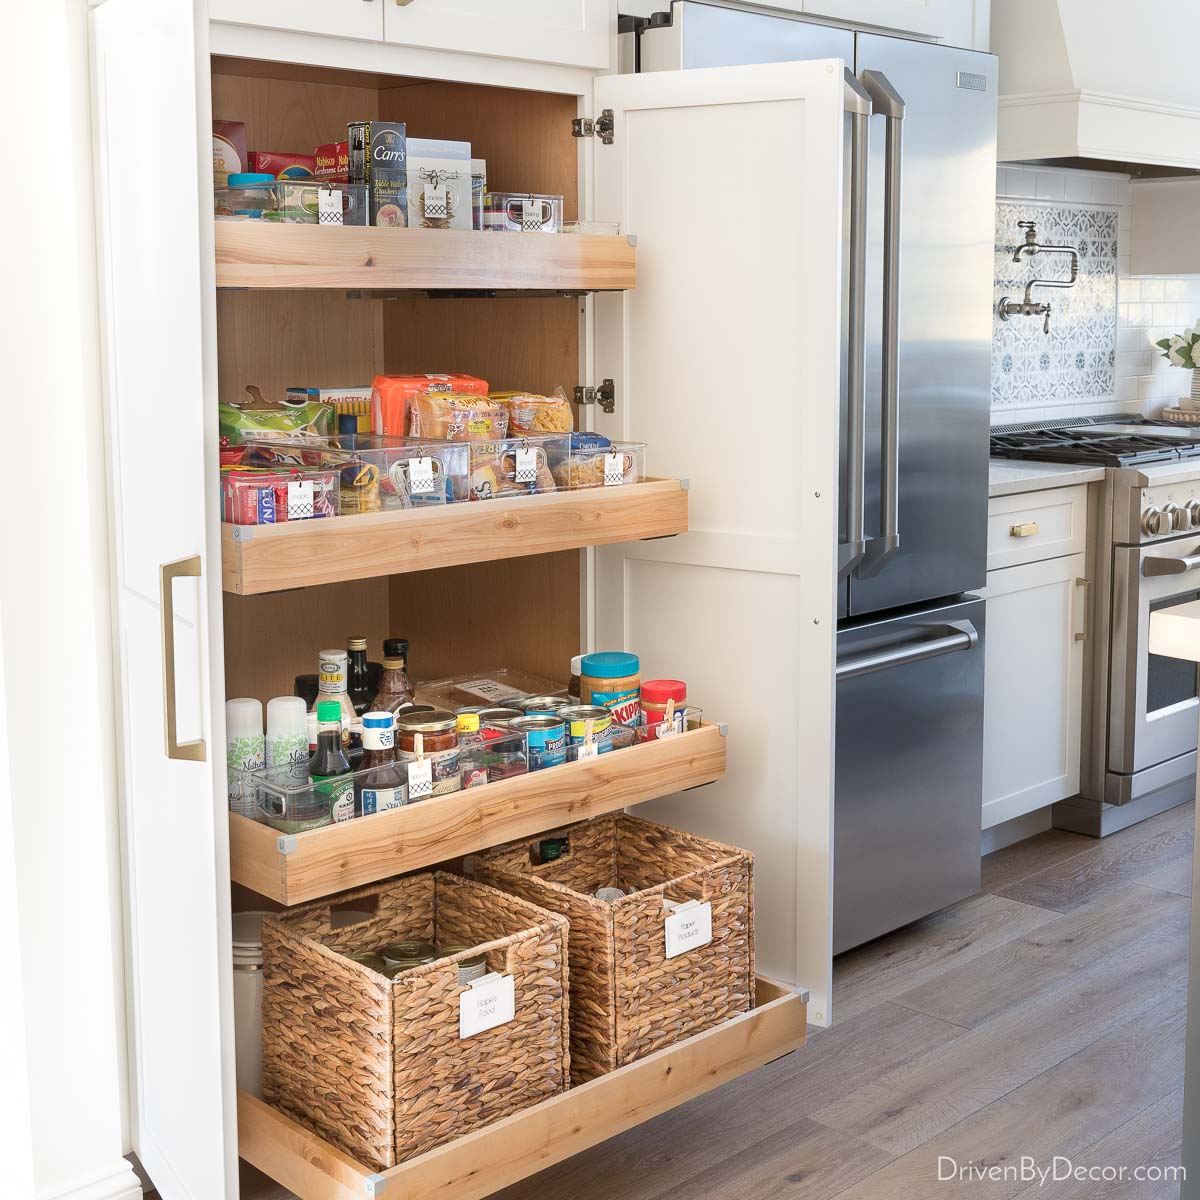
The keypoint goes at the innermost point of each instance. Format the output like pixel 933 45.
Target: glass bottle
pixel 357 679
pixel 334 668
pixel 329 768
pixel 384 782
pixel 395 688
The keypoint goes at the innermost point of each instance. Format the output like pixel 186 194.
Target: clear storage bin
pixel 292 201
pixel 586 465
pixel 490 687
pixel 526 212
pixel 271 496
pixel 519 466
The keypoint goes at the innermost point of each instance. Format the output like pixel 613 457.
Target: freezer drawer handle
pixel 850 552
pixel 962 636
pixel 1170 566
pixel 184 568
pixel 887 101
pixel 1025 529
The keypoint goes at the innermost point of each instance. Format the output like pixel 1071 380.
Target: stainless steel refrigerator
pixel 918 233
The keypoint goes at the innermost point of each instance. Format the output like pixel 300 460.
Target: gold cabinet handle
pixel 184 568
pixel 1086 585
pixel 1025 529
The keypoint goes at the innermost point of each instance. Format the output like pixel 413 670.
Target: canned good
pixel 374 961
pixel 551 848
pixel 469 969
pixel 610 894
pixel 578 715
pixel 541 704
pixel 498 716
pixel 547 739
pixel 408 951
pixel 398 968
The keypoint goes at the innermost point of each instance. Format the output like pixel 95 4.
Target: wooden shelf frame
pixel 272 558
pixel 256 254
pixel 292 869
pixel 516 1147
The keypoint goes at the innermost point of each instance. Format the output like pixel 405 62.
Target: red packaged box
pixel 391 394
pixel 250 497
pixel 282 166
pixel 333 162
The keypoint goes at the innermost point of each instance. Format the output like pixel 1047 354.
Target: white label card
pixel 329 206
pixel 526 464
pixel 486 1003
pixel 586 750
pixel 420 779
pixel 435 201
pixel 689 926
pixel 420 475
pixel 614 470
pixel 300 499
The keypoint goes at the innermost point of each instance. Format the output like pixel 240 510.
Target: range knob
pixel 1176 518
pixel 1155 522
pixel 1192 508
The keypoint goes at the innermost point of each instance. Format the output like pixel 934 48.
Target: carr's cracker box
pixel 439 184
pixel 333 162
pixel 378 153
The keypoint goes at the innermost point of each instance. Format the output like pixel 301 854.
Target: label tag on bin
pixel 487 1002
pixel 300 504
pixel 688 927
pixel 420 475
pixel 329 206
pixel 614 470
pixel 526 464
pixel 434 202
pixel 420 772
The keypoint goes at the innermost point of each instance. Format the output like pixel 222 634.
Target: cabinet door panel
pixel 725 359
pixel 156 287
pixel 573 32
pixel 334 18
pixel 1033 688
pixel 909 16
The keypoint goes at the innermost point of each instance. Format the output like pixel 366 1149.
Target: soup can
pixel 541 704
pixel 577 717
pixel 408 951
pixel 498 716
pixel 470 968
pixel 375 962
pixel 547 738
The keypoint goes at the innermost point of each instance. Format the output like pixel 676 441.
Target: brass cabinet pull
pixel 1086 585
pixel 1025 529
pixel 184 568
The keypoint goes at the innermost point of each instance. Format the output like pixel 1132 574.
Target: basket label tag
pixel 420 778
pixel 487 1002
pixel 688 927
pixel 329 206
pixel 420 475
pixel 300 503
pixel 614 470
pixel 526 464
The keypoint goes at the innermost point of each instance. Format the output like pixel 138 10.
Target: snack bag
pixel 456 417
pixel 529 413
pixel 391 397
pixel 258 417
pixel 494 472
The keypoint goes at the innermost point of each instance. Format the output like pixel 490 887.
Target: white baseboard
pixel 119 1183
pixel 1016 830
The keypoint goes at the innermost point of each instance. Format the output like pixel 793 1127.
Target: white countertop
pixel 1009 475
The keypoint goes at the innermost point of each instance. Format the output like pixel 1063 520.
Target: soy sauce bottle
pixel 329 768
pixel 358 676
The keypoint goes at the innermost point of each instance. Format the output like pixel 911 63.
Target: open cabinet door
pixel 150 78
pixel 726 362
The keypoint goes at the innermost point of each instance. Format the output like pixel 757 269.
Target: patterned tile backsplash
pixel 1076 361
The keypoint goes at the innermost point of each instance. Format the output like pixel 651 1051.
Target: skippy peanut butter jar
pixel 612 679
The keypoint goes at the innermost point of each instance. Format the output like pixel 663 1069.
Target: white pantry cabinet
pixel 1037 628
pixel 333 18
pixel 576 33
pixel 175 338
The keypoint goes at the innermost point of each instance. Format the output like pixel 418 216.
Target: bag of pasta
pixel 457 417
pixel 529 413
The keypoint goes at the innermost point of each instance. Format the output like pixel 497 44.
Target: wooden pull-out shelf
pixel 254 254
pixel 271 558
pixel 491 1158
pixel 299 867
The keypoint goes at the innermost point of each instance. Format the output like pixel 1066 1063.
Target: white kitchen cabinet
pixel 927 17
pixel 1036 634
pixel 175 337
pixel 576 33
pixel 333 18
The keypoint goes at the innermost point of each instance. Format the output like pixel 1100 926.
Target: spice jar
pixel 656 694
pixel 438 731
pixel 612 679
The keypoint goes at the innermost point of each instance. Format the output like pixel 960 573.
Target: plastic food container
pixel 526 212
pixel 264 497
pixel 250 194
pixel 260 197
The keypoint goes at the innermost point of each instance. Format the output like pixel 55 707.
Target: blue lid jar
pixel 610 664
pixel 249 179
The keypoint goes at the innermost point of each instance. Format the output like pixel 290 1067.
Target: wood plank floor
pixel 1043 1017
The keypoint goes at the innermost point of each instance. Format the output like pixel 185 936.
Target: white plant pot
pixel 1191 402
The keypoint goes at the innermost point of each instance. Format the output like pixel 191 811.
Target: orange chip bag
pixel 455 417
pixel 392 395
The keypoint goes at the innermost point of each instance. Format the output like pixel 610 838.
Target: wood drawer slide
pixel 491 1158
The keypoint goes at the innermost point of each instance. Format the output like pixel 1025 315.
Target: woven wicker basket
pixel 627 998
pixel 376 1066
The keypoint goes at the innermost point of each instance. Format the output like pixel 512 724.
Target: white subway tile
pixel 1176 289
pixel 1124 193
pixel 1127 388
pixel 1129 291
pixel 1124 221
pixel 1001 182
pixel 1104 191
pixel 1050 185
pixel 1153 289
pixel 1077 188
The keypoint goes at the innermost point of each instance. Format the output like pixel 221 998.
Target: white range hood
pixel 1111 81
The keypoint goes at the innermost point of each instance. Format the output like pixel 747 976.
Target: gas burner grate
pixel 1090 447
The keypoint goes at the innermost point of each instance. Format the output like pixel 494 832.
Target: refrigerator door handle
pixel 887 101
pixel 850 552
pixel 959 635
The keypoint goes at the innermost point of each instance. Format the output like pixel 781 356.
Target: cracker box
pixel 282 166
pixel 378 153
pixel 345 401
pixel 229 151
pixel 439 184
pixel 333 162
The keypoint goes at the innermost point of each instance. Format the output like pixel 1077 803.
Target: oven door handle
pixel 1153 567
pixel 960 635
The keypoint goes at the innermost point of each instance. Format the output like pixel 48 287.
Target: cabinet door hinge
pixel 602 127
pixel 605 395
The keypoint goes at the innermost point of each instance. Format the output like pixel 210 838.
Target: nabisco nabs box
pixel 379 159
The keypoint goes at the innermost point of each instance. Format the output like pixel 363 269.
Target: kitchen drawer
pixel 1034 526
